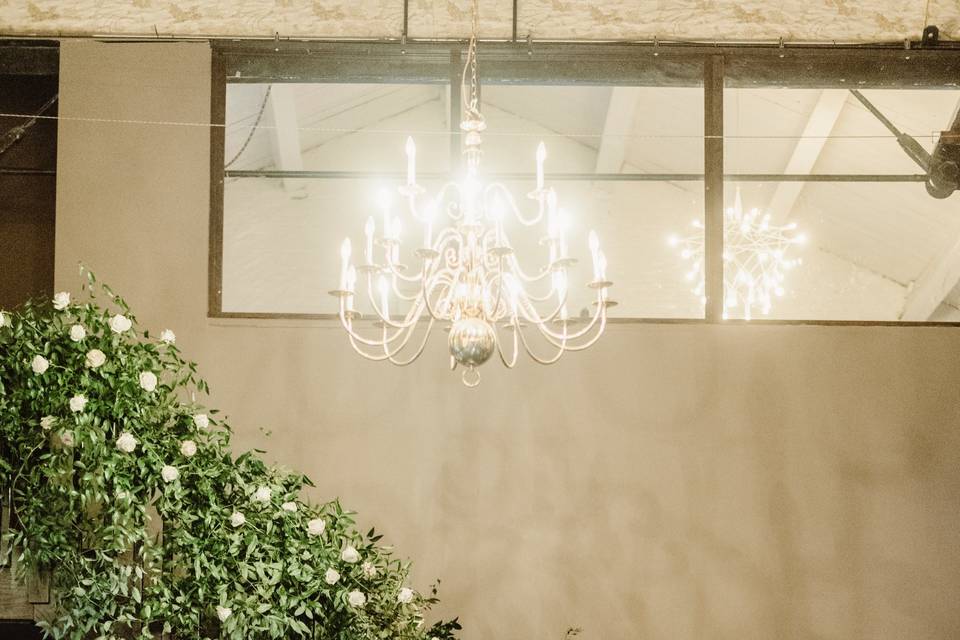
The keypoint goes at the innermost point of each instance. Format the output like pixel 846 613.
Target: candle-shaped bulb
pixel 429 215
pixel 560 284
pixel 384 199
pixel 411 162
pixel 552 213
pixel 368 230
pixel 602 264
pixel 541 156
pixel 562 223
pixel 351 286
pixel 351 278
pixel 594 243
pixel 344 262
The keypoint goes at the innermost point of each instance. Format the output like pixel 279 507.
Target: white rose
pixel 188 448
pixel 3 319
pixel 61 300
pixel 39 364
pixel 77 333
pixel 47 422
pixel 289 506
pixel 126 442
pixel 262 494
pixel 95 358
pixel 369 570
pixel 120 323
pixel 405 596
pixel 356 599
pixel 169 474
pixel 201 421
pixel 66 438
pixel 315 527
pixel 223 613
pixel 148 381
pixel 331 576
pixel 78 403
pixel 350 555
pixel 168 337
pixel 238 519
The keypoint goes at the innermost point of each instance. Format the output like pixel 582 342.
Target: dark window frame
pixel 713 68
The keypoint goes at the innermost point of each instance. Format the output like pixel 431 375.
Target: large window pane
pixel 591 129
pixel 879 248
pixel 336 127
pixel 282 248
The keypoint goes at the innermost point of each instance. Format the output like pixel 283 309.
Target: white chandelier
pixel 470 278
pixel 755 258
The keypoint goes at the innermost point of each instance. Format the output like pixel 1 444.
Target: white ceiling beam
pixel 807 151
pixel 285 137
pixel 621 111
pixel 933 286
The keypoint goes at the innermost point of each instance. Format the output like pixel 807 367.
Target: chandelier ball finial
pixel 471 341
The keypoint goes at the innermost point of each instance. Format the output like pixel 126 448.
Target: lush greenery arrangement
pixel 127 490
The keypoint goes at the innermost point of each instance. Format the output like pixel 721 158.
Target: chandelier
pixel 755 259
pixel 470 279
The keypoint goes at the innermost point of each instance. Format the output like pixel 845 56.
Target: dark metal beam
pixel 713 85
pixel 29 58
pixel 14 171
pixel 583 177
pixel 636 64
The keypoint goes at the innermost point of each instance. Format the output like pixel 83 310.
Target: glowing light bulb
pixel 351 286
pixel 368 230
pixel 541 156
pixel 411 162
pixel 344 262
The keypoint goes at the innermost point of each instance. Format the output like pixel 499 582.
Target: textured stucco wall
pixel 675 482
pixel 794 20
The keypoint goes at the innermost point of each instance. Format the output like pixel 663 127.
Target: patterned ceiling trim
pixel 794 20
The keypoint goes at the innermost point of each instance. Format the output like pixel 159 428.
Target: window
pixel 314 136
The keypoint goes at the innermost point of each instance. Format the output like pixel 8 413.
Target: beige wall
pixel 674 482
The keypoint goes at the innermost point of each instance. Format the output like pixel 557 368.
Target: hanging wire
pixel 9 138
pixel 253 128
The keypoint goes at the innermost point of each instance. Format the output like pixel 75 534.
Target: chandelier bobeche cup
pixel 470 278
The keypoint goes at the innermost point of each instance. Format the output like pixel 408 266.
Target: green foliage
pixel 240 554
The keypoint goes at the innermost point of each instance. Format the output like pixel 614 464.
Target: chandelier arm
pixel 527 222
pixel 348 326
pixel 387 321
pixel 523 274
pixel 530 352
pixel 426 294
pixel 601 312
pixel 419 351
pixel 396 273
pixel 512 362
pixel 535 317
pixel 368 356
pixel 602 316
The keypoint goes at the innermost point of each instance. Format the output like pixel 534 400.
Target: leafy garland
pixel 102 441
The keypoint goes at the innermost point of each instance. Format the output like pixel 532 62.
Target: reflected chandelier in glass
pixel 470 278
pixel 755 260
